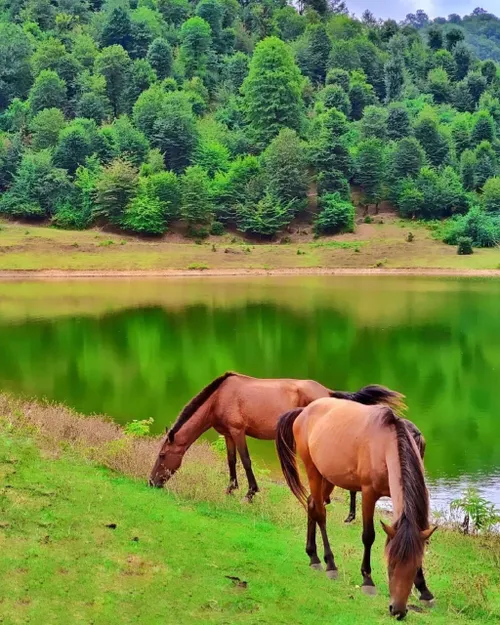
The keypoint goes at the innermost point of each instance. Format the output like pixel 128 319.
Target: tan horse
pixel 237 406
pixel 367 449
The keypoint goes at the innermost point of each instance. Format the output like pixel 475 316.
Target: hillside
pixel 84 543
pixel 170 115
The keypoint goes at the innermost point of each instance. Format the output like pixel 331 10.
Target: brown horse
pixel 367 449
pixel 237 406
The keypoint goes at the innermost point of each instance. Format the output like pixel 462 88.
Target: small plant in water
pixel 480 514
pixel 368 219
pixel 138 428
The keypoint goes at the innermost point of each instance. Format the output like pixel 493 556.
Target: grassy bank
pixel 382 244
pixel 173 554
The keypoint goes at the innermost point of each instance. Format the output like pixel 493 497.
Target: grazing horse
pixel 237 406
pixel 371 449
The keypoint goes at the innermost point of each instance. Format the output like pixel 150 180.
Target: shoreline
pixel 57 274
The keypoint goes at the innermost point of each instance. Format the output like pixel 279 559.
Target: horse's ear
pixel 390 531
pixel 426 534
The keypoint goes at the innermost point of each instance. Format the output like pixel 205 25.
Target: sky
pixel 397 9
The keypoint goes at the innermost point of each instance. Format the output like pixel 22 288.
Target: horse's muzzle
pixel 399 614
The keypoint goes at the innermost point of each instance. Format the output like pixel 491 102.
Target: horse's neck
pixel 395 483
pixel 196 425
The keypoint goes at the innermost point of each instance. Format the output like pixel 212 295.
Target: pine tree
pixel 460 135
pixel 407 159
pixel 435 37
pixel 432 140
pixel 160 57
pixel 483 128
pixel 174 131
pixel 48 91
pixel 394 70
pixel 370 169
pixel 486 163
pixel 398 123
pixel 468 170
pixel 272 90
pixel 285 169
pixel 374 122
pixel 196 207
pixel 463 60
pixel 196 36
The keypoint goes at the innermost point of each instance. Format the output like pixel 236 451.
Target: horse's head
pixel 404 554
pixel 168 461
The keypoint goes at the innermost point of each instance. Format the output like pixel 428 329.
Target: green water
pixel 135 350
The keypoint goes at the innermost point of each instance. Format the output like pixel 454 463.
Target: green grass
pixel 168 559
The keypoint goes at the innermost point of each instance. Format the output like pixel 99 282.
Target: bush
pixel 481 227
pixel 265 217
pixel 465 246
pixel 336 215
pixel 144 215
pixel 71 217
pixel 217 228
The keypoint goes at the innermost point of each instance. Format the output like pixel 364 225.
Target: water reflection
pixel 135 350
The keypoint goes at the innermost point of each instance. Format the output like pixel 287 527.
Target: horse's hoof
pixel 332 574
pixel 428 603
pixel 369 590
pixel 350 519
pixel 316 567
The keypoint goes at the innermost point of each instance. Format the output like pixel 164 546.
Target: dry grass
pixel 105 443
pixel 382 242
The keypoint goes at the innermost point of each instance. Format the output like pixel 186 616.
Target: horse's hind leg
pixel 368 501
pixel 352 508
pixel 426 595
pixel 317 511
pixel 311 548
pixel 241 444
pixel 231 462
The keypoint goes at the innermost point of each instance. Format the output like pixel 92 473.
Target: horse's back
pixel 255 404
pixel 345 440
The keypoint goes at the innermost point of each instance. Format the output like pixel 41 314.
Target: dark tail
pixel 374 394
pixel 197 401
pixel 285 446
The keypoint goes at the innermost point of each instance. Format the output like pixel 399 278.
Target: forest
pixel 141 114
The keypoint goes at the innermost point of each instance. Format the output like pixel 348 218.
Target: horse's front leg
pixel 231 463
pixel 368 502
pixel 241 444
pixel 426 595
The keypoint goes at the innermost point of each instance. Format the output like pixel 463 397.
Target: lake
pixel 135 349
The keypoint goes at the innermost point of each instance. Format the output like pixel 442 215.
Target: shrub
pixel 71 217
pixel 265 217
pixel 145 215
pixel 464 246
pixel 217 228
pixel 481 227
pixel 336 215
pixel 138 428
pixel 482 513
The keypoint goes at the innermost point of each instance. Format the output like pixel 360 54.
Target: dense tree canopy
pixel 143 113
